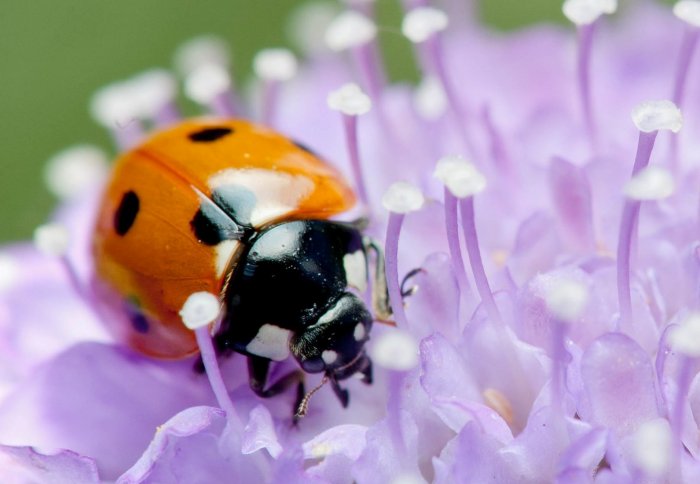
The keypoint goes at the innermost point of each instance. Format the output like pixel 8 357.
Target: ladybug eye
pixel 209 134
pixel 126 213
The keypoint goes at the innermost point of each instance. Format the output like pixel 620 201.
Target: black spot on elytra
pixel 208 135
pixel 211 225
pixel 303 147
pixel 126 212
pixel 139 323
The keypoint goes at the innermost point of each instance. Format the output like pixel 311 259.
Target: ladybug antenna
pixel 304 404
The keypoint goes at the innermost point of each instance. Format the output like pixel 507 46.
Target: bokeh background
pixel 55 53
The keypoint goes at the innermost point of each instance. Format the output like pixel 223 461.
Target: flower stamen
pixel 649 117
pixel 273 67
pixel 351 102
pixel 200 311
pixel 401 198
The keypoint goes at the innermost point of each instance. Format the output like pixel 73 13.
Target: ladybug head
pixel 335 344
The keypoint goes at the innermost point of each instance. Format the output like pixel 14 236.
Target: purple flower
pixel 551 333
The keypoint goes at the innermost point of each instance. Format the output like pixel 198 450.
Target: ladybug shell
pixel 177 211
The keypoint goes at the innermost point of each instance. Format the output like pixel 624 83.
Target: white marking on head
pixel 360 332
pixel 329 357
pixel 355 266
pixel 271 342
pixel 224 252
pixel 276 193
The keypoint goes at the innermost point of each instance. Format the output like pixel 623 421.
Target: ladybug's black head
pixel 335 344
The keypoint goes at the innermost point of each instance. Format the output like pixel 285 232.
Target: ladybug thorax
pixel 292 291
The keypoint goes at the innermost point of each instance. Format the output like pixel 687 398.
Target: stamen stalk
pixel 391 249
pixel 350 125
pixel 269 102
pixel 685 59
pixel 211 365
pixel 472 242
pixel 585 43
pixel 435 60
pixel 453 241
pixel 628 223
pixel 685 375
pixel 559 356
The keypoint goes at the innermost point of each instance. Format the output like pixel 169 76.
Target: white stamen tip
pixel 688 11
pixel 206 82
pixel 200 309
pixel 651 448
pixel 651 183
pixel 685 338
pixel 51 239
pixel 349 29
pixel 329 357
pixel 349 100
pixel 402 197
pixel 9 272
pixel 429 98
pixel 308 24
pixel 462 178
pixel 275 65
pixel 395 350
pixel 567 299
pixel 201 51
pixel 652 116
pixel 422 23
pixel 152 90
pixel 115 104
pixel 584 12
pixel 75 170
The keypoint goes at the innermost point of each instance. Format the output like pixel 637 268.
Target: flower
pixel 548 335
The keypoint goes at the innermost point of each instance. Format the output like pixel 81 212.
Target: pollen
pixel 499 403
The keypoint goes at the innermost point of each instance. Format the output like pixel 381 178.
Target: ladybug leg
pixel 410 291
pixel 258 372
pixel 340 392
pixel 367 376
pixel 380 293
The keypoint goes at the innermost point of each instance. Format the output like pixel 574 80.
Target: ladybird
pixel 238 210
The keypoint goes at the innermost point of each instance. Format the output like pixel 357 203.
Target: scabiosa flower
pixel 542 260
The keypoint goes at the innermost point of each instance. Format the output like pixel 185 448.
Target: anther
pixel 650 183
pixel 401 198
pixel 567 299
pixel 72 172
pixel 395 350
pixel 273 66
pixel 651 447
pixel 352 102
pixel 585 12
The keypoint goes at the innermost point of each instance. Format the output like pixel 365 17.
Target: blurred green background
pixel 55 53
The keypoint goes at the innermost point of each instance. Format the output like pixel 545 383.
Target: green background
pixel 55 53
